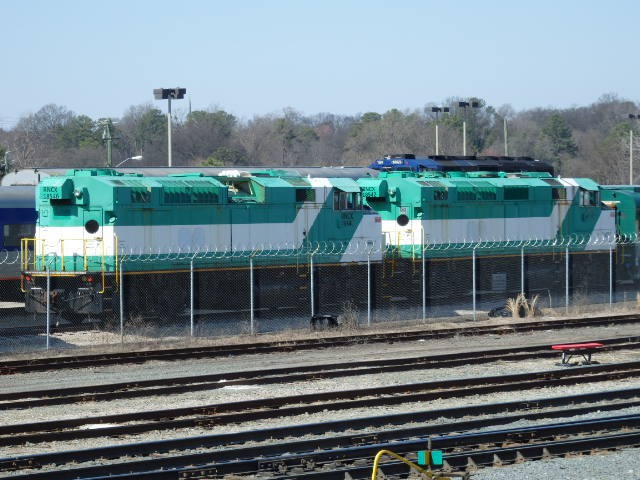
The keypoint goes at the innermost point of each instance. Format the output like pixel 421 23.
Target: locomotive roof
pixel 446 163
pixel 108 187
pixel 498 179
pixel 16 197
pixel 32 176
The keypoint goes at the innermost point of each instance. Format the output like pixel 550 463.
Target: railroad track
pixel 177 385
pixel 84 361
pixel 320 457
pixel 288 406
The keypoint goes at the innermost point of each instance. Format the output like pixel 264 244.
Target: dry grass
pixel 349 317
pixel 522 307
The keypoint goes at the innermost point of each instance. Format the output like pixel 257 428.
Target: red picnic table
pixel 583 349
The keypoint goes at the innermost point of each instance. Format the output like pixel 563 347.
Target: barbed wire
pixel 362 248
pixel 9 257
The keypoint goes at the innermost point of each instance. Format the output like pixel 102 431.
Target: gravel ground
pixel 623 465
pixel 111 374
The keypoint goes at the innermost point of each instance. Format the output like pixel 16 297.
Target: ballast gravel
pixel 151 370
pixel 621 465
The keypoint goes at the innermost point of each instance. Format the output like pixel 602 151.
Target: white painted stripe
pixel 439 232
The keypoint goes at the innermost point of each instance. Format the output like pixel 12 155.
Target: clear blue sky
pixel 253 57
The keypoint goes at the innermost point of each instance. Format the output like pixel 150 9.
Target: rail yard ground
pixel 620 464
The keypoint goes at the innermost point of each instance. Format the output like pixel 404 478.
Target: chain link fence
pixel 220 293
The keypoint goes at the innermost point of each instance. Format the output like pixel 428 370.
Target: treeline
pixel 591 141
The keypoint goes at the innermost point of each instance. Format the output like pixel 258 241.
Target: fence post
pixel 566 280
pixel 369 287
pixel 48 305
pixel 311 285
pixel 473 276
pixel 610 276
pixel 121 293
pixel 522 271
pixel 251 305
pixel 424 280
pixel 192 297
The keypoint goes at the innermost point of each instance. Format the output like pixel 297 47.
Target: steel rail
pixel 81 361
pixel 141 388
pixel 243 411
pixel 470 461
pixel 279 458
pixel 527 411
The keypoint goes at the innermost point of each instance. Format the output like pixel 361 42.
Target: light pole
pixel 506 148
pixel 167 94
pixel 108 139
pixel 632 116
pixel 464 106
pixel 437 110
pixel 135 159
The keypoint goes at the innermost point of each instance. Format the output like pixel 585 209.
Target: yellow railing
pixel 33 257
pixel 29 245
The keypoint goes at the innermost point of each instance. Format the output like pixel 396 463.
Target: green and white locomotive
pixel 440 227
pixel 402 234
pixel 96 225
pixel 448 214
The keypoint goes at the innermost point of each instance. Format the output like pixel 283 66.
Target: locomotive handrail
pixel 103 268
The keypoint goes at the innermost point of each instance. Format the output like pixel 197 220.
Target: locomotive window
pixel 14 232
pixel 305 195
pixel 347 200
pixel 589 198
pixel 559 193
pixel 91 226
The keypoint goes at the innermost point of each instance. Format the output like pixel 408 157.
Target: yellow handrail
pixel 84 255
pixel 103 268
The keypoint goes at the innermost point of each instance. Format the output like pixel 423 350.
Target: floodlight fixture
pixel 437 110
pixel 464 105
pixel 169 93
pixel 176 93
